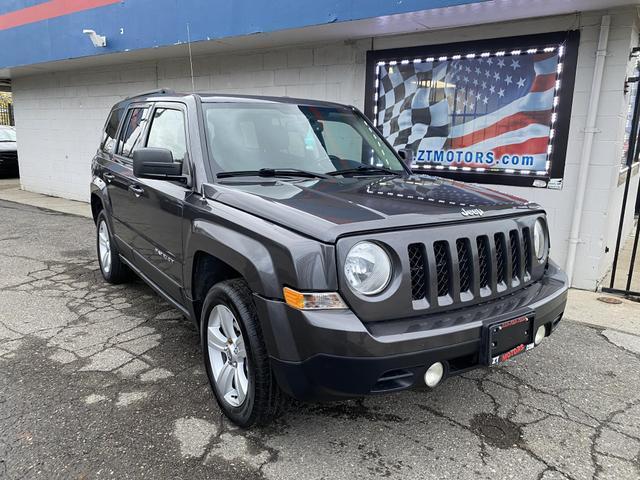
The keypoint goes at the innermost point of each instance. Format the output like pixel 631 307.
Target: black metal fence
pixel 626 253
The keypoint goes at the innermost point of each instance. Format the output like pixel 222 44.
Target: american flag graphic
pixel 491 112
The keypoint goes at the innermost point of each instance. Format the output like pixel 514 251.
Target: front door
pixel 159 204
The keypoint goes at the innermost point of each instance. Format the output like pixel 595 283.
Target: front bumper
pixel 324 355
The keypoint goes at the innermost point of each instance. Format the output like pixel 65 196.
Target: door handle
pixel 108 177
pixel 137 191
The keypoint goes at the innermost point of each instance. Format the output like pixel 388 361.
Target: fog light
pixel 434 374
pixel 540 334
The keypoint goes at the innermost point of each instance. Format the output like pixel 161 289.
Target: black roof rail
pixel 161 91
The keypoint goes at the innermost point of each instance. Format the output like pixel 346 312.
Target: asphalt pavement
pixel 101 381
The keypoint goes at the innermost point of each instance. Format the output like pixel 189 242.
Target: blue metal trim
pixel 138 24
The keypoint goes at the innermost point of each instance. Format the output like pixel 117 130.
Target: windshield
pixel 7 135
pixel 255 136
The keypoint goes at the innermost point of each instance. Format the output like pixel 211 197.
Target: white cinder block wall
pixel 59 116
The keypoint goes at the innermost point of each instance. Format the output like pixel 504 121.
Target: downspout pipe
pixel 585 156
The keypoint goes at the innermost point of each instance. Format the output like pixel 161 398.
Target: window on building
pixel 111 130
pixel 168 131
pixel 631 129
pixel 132 131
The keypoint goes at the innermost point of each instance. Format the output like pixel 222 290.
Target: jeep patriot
pixel 315 264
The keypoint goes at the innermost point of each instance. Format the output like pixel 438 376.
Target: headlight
pixel 367 268
pixel 539 240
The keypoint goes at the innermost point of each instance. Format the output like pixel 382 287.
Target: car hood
pixel 326 209
pixel 8 147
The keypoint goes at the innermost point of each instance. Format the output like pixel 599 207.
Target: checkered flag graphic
pixel 412 110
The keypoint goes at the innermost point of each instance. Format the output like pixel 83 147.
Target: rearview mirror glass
pixel 406 154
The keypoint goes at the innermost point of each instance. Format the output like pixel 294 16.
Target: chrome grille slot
pixel 465 264
pixel 514 244
pixel 526 248
pixel 501 259
pixel 441 255
pixel 418 271
pixel 484 260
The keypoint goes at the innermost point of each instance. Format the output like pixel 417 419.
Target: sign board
pixel 496 111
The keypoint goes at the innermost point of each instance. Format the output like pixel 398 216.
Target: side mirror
pixel 406 154
pixel 156 163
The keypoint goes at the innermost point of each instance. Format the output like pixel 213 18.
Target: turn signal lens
pixel 312 301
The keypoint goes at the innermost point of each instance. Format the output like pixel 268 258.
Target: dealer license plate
pixel 509 338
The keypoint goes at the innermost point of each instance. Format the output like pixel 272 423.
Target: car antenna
pixel 193 83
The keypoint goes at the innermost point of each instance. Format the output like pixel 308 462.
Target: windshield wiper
pixel 363 168
pixel 273 172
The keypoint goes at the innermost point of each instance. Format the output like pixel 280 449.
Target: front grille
pixel 418 271
pixel 441 255
pixel 485 265
pixel 501 259
pixel 526 248
pixel 464 264
pixel 514 243
pixel 9 158
pixel 484 260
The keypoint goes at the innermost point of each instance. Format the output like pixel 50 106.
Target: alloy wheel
pixel 227 356
pixel 104 247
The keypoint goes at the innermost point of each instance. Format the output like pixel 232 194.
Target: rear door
pixel 159 203
pixel 120 179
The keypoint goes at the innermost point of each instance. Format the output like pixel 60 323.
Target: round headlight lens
pixel 539 241
pixel 367 268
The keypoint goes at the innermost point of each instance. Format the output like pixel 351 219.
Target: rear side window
pixel 111 130
pixel 168 131
pixel 132 131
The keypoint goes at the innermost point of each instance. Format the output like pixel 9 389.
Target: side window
pixel 132 131
pixel 168 131
pixel 110 130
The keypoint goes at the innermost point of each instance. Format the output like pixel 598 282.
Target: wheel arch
pixel 96 206
pixel 206 271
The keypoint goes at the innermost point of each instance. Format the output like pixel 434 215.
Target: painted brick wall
pixel 59 116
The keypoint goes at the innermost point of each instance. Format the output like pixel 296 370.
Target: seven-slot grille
pixel 499 262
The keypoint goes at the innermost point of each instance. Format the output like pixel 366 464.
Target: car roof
pixel 164 94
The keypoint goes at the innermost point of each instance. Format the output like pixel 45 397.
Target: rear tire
pixel 112 268
pixel 247 393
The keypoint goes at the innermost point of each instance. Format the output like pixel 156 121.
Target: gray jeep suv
pixel 315 264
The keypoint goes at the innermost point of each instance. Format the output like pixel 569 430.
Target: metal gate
pixel 6 109
pixel 626 259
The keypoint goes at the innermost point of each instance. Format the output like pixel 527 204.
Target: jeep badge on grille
pixel 474 212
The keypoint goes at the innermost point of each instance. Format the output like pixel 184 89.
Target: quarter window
pixel 132 131
pixel 110 130
pixel 168 131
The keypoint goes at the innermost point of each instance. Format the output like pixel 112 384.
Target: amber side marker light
pixel 313 300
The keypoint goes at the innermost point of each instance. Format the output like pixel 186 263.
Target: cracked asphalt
pixel 101 381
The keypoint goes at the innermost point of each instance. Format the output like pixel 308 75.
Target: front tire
pixel 112 268
pixel 236 358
